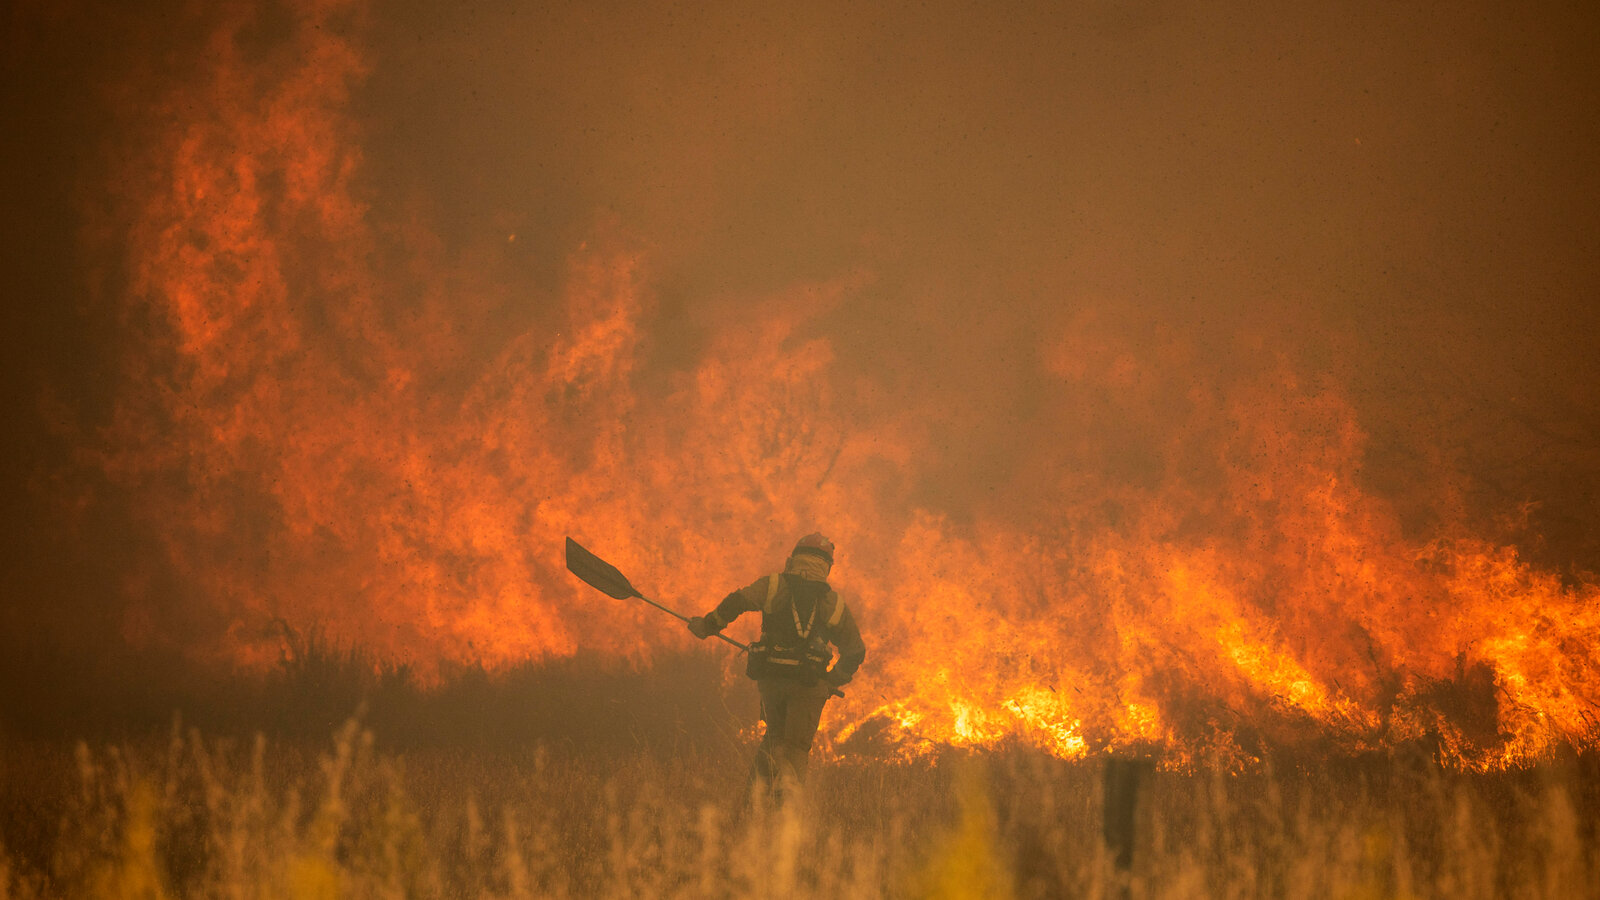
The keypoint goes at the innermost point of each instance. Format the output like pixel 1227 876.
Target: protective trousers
pixel 792 711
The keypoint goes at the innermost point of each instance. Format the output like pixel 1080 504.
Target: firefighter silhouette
pixel 802 620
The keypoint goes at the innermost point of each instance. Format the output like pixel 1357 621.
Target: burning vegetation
pixel 1128 536
pixel 1210 395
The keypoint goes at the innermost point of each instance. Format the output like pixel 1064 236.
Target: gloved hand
pixel 699 627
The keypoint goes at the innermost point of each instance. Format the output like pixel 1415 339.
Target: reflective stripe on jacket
pixel 794 612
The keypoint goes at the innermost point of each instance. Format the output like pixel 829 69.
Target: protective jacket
pixel 800 618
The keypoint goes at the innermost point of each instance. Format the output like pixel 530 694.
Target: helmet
pixel 816 545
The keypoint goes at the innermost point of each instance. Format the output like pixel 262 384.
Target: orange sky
pixel 340 314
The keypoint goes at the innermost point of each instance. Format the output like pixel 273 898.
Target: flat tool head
pixel 597 573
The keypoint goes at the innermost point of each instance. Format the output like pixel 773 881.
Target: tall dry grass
pixel 580 779
pixel 189 816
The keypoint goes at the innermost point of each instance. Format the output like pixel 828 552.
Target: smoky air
pixel 1189 379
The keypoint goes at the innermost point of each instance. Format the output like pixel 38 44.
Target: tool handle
pixel 671 612
pixel 675 613
pixel 745 647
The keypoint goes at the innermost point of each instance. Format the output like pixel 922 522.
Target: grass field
pixel 559 803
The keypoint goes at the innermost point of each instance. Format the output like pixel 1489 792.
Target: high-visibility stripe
pixel 772 591
pixel 803 630
pixel 838 608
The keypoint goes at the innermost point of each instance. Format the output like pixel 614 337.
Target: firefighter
pixel 800 617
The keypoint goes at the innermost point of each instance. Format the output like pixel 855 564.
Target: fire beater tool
pixel 604 577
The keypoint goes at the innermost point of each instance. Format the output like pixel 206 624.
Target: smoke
pixel 1182 358
pixel 1387 194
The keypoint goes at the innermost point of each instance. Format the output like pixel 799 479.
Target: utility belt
pixel 806 662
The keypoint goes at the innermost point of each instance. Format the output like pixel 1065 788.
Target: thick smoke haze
pixel 317 306
pixel 1396 195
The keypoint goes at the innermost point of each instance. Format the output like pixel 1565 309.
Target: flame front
pixel 395 454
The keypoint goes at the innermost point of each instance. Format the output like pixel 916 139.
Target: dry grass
pixel 578 780
pixel 192 817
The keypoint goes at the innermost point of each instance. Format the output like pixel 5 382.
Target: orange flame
pixel 320 440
